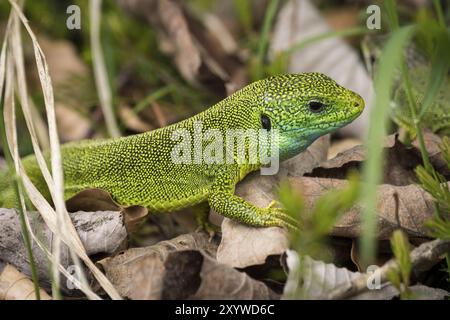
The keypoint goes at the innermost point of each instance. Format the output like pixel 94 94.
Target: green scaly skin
pixel 138 169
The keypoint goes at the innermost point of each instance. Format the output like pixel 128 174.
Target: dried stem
pixel 422 259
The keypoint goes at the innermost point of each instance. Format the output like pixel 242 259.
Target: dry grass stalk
pixel 101 77
pixel 57 219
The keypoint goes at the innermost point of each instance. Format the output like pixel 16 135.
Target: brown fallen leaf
pixel 74 95
pixel 100 200
pixel 192 274
pixel 187 56
pixel 253 247
pixel 138 273
pixel 101 232
pixel 422 258
pixel 72 126
pixel 343 18
pixel 400 162
pixel 234 250
pixel 413 208
pixel 343 145
pixel 14 285
pixel 131 120
pixel 167 18
pixel 198 54
pixel 315 279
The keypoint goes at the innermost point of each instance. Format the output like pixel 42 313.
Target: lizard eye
pixel 316 106
pixel 265 122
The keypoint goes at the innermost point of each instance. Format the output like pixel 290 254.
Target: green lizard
pixel 139 169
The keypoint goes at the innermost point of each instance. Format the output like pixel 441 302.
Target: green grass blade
pixel 438 74
pixel 391 11
pixel 372 170
pixel 439 12
pixel 264 37
pixel 243 9
pixel 153 97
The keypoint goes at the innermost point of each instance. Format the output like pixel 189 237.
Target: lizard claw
pixel 277 217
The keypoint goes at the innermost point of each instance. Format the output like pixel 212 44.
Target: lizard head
pixel 303 107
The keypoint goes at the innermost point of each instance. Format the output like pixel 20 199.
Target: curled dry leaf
pixel 14 285
pixel 343 145
pixel 100 200
pixel 422 258
pixel 319 278
pixel 406 207
pixel 101 232
pixel 243 245
pixel 400 161
pixel 138 273
pixel 192 274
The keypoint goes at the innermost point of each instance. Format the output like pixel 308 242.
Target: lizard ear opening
pixel 265 122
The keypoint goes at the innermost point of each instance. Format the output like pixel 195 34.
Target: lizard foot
pixel 271 216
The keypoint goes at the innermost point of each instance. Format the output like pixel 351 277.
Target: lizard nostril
pixel 358 104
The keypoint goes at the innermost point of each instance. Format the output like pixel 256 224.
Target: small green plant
pixel 436 185
pixel 400 278
pixel 317 224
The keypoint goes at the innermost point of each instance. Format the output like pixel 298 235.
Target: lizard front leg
pixel 224 202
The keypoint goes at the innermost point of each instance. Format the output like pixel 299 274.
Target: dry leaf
pixel 138 273
pixel 61 69
pixel 132 120
pixel 101 232
pixel 92 200
pixel 413 208
pixel 191 274
pixel 199 55
pixel 72 126
pixel 400 161
pixel 319 278
pixel 343 17
pixel 341 146
pixel 14 285
pixel 65 74
pixel 244 246
pixel 100 200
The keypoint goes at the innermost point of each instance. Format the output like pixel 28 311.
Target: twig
pixel 101 78
pixel 422 259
